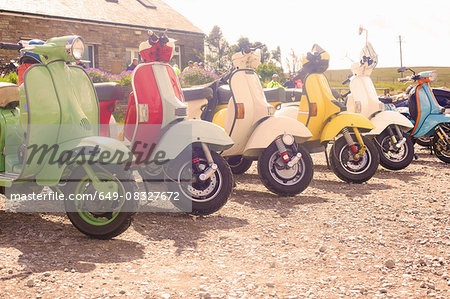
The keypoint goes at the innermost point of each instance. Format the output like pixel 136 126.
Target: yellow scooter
pixel 354 158
pixel 284 166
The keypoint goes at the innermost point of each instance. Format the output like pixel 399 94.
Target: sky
pixel 423 25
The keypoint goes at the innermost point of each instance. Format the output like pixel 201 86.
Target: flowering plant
pixel 196 76
pixel 97 76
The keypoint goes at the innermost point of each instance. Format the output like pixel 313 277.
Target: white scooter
pixel 395 146
pixel 284 166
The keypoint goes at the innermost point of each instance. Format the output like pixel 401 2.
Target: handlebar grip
pixel 346 82
pixel 9 46
pixel 406 79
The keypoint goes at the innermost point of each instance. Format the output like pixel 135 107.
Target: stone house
pixel 112 29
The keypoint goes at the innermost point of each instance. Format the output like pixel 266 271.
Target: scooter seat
pixel 275 94
pixel 197 93
pixel 385 100
pixel 109 91
pixel 224 94
pixel 9 94
pixel 293 95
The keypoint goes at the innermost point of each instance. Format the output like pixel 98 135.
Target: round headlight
pixel 288 139
pixel 75 47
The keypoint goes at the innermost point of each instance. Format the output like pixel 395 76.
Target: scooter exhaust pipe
pixel 294 160
pixel 208 172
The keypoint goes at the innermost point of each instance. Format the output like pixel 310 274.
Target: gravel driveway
pixel 389 237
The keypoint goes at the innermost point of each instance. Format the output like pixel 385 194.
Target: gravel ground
pixel 389 237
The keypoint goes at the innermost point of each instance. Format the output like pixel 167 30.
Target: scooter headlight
pixel 288 139
pixel 75 47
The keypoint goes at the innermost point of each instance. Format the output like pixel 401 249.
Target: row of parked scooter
pixel 192 140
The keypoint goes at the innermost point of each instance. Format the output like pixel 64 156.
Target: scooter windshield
pixel 368 55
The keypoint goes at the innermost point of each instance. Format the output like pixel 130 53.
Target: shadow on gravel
pixel 181 228
pixel 348 190
pixel 404 175
pixel 268 201
pixel 48 246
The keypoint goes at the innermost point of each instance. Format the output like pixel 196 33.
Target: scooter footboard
pixel 181 135
pixel 430 123
pixel 344 120
pixel 270 129
pixel 386 118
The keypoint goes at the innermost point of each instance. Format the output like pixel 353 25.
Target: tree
pixel 266 70
pixel 244 42
pixel 217 56
pixel 276 54
pixel 293 62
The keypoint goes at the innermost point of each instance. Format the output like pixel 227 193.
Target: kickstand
pixel 326 158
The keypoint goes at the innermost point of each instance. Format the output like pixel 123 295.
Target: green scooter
pixel 50 138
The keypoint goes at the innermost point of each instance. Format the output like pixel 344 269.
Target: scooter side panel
pixel 268 130
pixel 219 118
pixel 431 122
pixel 182 134
pixel 385 118
pixel 344 120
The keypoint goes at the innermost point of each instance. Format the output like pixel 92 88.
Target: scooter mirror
pixel 401 69
pixel 361 29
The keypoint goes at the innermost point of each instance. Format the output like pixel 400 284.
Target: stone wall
pixel 111 41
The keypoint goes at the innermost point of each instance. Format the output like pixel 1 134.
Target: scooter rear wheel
pixel 394 159
pixel 281 180
pixel 349 170
pixel 424 141
pixel 99 225
pixel 239 164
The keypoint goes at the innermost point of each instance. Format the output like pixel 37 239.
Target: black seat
pixel 293 95
pixel 385 99
pixel 442 96
pixel 224 94
pixel 197 93
pixel 109 91
pixel 275 94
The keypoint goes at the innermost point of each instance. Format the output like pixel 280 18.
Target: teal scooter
pixel 50 138
pixel 428 117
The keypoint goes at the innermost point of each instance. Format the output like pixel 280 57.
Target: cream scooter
pixel 395 146
pixel 284 166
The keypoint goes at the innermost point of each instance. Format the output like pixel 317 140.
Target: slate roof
pixel 123 12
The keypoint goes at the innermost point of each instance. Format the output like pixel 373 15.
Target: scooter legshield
pixel 430 123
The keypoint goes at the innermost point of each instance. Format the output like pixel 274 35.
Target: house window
pixel 176 59
pixel 131 54
pixel 89 55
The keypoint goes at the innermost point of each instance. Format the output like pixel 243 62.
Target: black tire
pixel 342 166
pixel 300 175
pixel 423 141
pixel 120 220
pixel 441 150
pixel 394 159
pixel 239 164
pixel 221 185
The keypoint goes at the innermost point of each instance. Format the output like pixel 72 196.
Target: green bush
pixel 11 77
pixel 266 70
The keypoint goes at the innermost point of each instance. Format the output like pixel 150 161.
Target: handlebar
pixel 406 79
pixel 10 46
pixel 249 50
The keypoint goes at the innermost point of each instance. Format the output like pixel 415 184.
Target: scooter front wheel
pixel 353 170
pixel 440 147
pixel 391 157
pixel 87 211
pixel 199 197
pixel 239 164
pixel 283 180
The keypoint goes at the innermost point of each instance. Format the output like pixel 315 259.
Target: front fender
pixel 181 135
pixel 385 118
pixel 266 132
pixel 343 120
pixel 89 149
